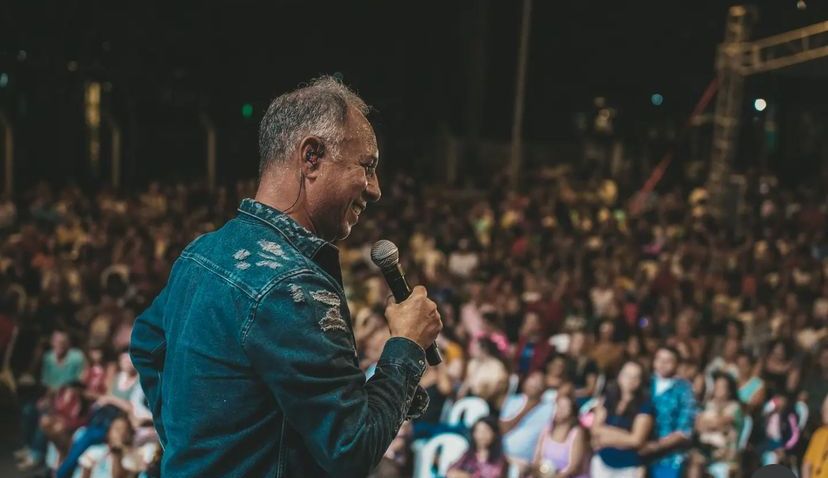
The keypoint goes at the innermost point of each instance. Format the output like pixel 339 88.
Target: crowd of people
pixel 604 341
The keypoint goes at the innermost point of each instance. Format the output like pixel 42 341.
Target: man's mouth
pixel 357 208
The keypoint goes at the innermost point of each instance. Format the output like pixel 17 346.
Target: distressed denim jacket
pixel 248 361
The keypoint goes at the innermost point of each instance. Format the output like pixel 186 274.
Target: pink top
pixel 558 453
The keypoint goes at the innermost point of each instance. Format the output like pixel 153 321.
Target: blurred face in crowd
pixel 60 344
pixel 607 331
pixel 564 409
pixel 778 352
pixel 531 325
pixel 731 349
pixel 630 377
pixel 577 343
pixel 125 364
pixel 96 356
pixel 533 385
pixel 721 389
pixel 745 365
pixel 341 187
pixel 665 363
pixel 555 370
pixel 633 348
pixel 119 433
pixel 483 435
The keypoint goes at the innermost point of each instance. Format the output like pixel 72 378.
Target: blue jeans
pixel 93 435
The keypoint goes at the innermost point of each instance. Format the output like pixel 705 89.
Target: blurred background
pixel 579 184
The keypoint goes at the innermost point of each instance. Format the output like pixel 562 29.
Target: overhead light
pixel 759 104
pixel 656 99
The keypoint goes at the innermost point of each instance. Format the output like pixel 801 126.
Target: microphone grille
pixel 385 254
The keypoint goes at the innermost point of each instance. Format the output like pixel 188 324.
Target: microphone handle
pixel 399 287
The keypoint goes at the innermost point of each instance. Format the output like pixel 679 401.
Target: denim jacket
pixel 248 360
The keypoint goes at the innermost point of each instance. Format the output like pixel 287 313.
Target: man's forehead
pixel 359 129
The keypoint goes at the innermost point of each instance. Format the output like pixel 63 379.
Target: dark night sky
pixel 168 61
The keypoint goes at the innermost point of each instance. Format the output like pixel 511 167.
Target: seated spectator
pixel 779 371
pixel 486 375
pixel 484 458
pixel 116 458
pixel 725 361
pixel 563 450
pixel 675 412
pixel 815 462
pixel 781 430
pixel 437 384
pixel 124 397
pixel 62 365
pixel 523 418
pixel 690 371
pixel 533 348
pixel 556 373
pixel 717 428
pixel 623 421
pixel 66 412
pixel 751 387
pixel 581 368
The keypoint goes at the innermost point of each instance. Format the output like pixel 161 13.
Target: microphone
pixel 386 256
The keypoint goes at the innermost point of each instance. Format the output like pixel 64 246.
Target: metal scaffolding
pixel 737 58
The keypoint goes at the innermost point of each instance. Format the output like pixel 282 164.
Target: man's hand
pixel 415 318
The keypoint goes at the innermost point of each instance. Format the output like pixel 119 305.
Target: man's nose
pixel 373 191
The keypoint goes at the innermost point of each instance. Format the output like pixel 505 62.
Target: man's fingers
pixel 418 290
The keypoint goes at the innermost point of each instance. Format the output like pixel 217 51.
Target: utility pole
pixel 516 159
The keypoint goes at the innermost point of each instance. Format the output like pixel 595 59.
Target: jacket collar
pixel 314 247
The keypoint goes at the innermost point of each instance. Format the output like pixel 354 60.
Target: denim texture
pixel 248 361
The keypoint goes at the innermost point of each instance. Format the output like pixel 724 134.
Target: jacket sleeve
pixel 147 348
pixel 300 344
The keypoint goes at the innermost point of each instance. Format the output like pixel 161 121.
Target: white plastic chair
pixel 446 447
pixel 469 410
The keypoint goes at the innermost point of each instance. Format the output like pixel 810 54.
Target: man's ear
pixel 311 150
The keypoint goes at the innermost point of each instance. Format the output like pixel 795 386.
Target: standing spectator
pixel 607 353
pixel 485 458
pixel 622 424
pixel 675 412
pixel 563 451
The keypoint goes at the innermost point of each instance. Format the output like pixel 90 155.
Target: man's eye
pixel 370 169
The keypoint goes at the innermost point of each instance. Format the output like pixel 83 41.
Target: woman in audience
pixel 623 422
pixel 485 458
pixel 486 374
pixel 717 428
pixel 563 449
pixel 751 387
pixel 116 458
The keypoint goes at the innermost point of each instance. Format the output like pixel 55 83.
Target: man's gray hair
pixel 318 109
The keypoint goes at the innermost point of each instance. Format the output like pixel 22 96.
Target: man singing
pixel 247 356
